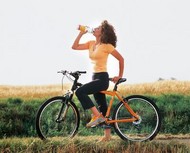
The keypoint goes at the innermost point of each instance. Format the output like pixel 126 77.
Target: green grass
pixel 17 116
pixel 18 106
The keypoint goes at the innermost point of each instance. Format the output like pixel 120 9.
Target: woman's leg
pixel 84 91
pixel 82 94
pixel 101 101
pixel 100 82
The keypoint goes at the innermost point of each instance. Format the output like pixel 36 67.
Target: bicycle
pixel 135 118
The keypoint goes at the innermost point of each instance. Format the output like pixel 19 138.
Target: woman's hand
pixel 116 78
pixel 82 32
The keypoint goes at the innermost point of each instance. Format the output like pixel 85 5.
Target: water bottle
pixel 85 28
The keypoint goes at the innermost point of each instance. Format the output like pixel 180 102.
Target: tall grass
pixel 32 92
pixel 155 88
pixel 88 145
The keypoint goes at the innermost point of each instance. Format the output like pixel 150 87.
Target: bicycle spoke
pixel 57 119
pixel 143 129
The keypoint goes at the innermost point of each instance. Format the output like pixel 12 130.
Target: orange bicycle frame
pixel 113 94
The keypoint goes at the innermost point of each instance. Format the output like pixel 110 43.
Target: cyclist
pixel 99 50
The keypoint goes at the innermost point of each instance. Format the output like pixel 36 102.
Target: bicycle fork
pixel 64 108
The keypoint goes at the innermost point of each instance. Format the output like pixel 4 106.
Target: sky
pixel 36 38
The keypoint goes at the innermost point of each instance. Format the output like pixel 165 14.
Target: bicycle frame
pixel 113 94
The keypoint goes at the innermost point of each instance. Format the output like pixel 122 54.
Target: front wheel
pixel 148 125
pixel 57 117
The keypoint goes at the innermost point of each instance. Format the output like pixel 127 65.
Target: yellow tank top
pixel 99 55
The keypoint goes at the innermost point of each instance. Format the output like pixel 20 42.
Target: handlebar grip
pixel 82 72
pixel 62 71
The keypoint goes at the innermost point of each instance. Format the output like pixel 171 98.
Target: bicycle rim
pixel 148 125
pixel 47 125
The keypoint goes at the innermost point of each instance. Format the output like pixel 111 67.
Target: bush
pixel 17 116
pixel 174 110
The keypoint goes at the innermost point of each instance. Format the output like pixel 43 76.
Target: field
pixel 155 88
pixel 164 142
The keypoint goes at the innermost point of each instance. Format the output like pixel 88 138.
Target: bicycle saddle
pixel 121 80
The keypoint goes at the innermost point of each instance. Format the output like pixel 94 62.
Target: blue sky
pixel 36 38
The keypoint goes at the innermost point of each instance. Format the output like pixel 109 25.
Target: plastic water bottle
pixel 85 28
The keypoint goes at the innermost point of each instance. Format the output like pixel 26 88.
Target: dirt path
pixel 181 139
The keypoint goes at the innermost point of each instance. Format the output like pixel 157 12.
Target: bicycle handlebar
pixel 65 71
pixel 74 74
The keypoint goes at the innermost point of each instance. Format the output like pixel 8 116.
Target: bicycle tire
pixel 146 128
pixel 46 125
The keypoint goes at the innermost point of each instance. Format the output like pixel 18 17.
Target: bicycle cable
pixel 62 81
pixel 69 77
pixel 67 74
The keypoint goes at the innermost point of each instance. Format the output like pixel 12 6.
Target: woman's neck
pixel 97 40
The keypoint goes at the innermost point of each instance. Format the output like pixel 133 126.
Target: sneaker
pixel 92 119
pixel 96 120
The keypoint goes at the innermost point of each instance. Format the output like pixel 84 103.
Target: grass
pixel 163 143
pixel 88 144
pixel 155 88
pixel 32 92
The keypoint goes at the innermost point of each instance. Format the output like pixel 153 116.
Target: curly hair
pixel 108 35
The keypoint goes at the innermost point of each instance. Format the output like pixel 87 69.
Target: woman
pixel 99 50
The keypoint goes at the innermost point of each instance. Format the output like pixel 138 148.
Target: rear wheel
pixel 148 125
pixel 56 117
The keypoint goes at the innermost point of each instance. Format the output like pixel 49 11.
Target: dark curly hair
pixel 108 35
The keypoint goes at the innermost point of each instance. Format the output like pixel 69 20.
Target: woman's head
pixel 106 32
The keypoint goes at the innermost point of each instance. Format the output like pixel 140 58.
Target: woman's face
pixel 97 31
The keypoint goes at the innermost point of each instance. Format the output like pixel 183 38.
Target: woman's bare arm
pixel 118 56
pixel 76 45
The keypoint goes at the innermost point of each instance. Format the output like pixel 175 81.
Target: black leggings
pixel 100 81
